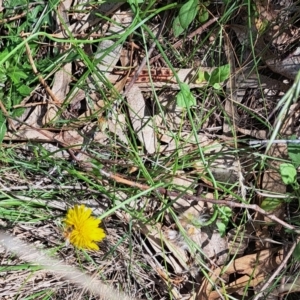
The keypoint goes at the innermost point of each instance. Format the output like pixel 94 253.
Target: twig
pixel 6 114
pixel 40 77
pixel 17 17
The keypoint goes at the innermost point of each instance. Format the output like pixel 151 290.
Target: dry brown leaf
pixel 51 114
pixel 62 77
pixel 75 97
pixel 156 238
pixel 256 266
pixel 125 58
pixel 108 59
pixel 208 238
pixel 288 67
pixel 70 138
pixel 61 82
pixel 141 119
pixel 33 118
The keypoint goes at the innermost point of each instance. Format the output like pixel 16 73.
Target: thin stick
pixel 13 18
pixel 40 77
pixel 6 114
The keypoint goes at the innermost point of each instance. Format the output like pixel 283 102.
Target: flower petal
pixel 85 230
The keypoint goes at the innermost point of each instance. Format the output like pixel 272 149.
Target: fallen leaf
pixel 141 119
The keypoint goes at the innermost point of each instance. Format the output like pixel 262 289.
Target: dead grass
pixel 103 105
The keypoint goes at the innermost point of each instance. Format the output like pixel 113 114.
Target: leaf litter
pixel 77 111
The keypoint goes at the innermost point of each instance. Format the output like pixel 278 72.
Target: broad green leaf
pixel 187 13
pixel 177 28
pixel 270 204
pixel 16 75
pixel 219 74
pixel 294 152
pixel 14 3
pixel 185 98
pixel 24 90
pixel 33 13
pixel 288 173
pixel 225 213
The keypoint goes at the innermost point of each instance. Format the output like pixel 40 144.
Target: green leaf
pixel 203 15
pixel 18 112
pixel 3 77
pixel 294 152
pixel 271 204
pixel 217 86
pixel 177 28
pixel 207 76
pixel 185 98
pixel 24 90
pixel 221 227
pixel 288 173
pixel 16 75
pixel 219 74
pixel 187 13
pixel 3 128
pixel 296 253
pixel 225 214
pixel 14 3
pixel 4 53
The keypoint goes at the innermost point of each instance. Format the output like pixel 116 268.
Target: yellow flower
pixel 82 229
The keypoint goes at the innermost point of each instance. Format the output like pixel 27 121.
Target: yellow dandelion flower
pixel 82 229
